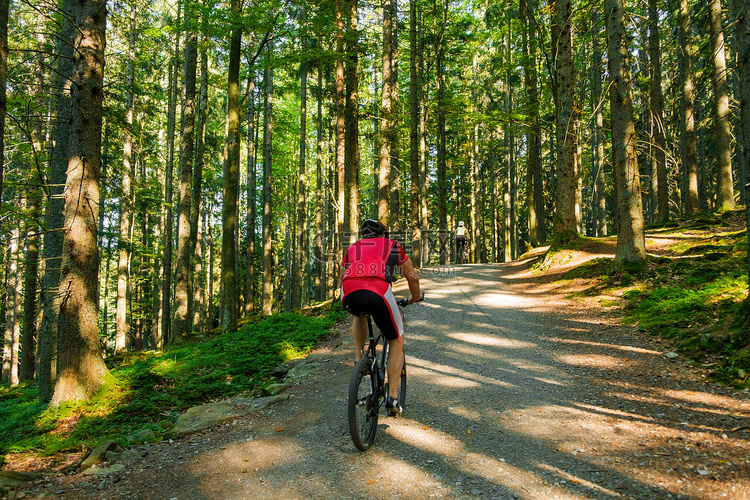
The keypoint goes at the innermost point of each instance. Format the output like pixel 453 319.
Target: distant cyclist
pixel 369 266
pixel 460 242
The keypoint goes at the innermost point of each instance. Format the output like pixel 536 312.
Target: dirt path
pixel 513 392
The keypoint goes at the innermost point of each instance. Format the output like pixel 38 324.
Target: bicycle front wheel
pixel 363 405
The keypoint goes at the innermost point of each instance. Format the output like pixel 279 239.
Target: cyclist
pixel 460 242
pixel 369 266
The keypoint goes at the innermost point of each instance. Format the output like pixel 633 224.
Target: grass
pixel 694 298
pixel 149 390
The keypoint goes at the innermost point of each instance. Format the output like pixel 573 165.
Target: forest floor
pixel 518 388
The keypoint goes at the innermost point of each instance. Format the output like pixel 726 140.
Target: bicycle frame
pixel 372 353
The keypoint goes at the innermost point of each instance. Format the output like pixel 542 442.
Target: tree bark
pixel 166 301
pixel 81 367
pixel 122 324
pixel 690 165
pixel 251 196
pixel 414 137
pixel 351 115
pixel 298 297
pixel 657 114
pixel 723 127
pixel 182 321
pixel 599 202
pixel 386 117
pixel 231 178
pixel 631 247
pixel 267 293
pixel 567 223
pixel 12 310
pixel 441 150
pixel 4 7
pixel 53 237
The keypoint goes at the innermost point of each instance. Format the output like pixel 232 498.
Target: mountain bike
pixel 368 389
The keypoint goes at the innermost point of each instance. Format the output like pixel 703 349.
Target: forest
pixel 174 166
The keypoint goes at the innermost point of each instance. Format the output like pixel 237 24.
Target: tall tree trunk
pixel 231 178
pixel 690 165
pixel 122 325
pixel 267 294
pixel 724 182
pixel 416 236
pixel 340 145
pixel 53 237
pixel 195 209
pixel 4 7
pixel 395 153
pixel 81 367
pixel 320 199
pixel 441 150
pixel 166 302
pixel 657 114
pixel 631 245
pixel 182 321
pixel 534 189
pixel 599 201
pixel 386 117
pixel 12 310
pixel 298 297
pixel 567 224
pixel 742 33
pixel 351 114
pixel 32 229
pixel 423 165
pixel 251 196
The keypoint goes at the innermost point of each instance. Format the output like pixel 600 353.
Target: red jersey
pixel 373 258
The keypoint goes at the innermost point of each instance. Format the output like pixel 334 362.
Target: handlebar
pixel 405 301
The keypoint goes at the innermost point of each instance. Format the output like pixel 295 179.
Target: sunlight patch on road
pixel 485 340
pixel 448 375
pixel 721 404
pixel 608 346
pixel 497 300
pixel 452 452
pixel 595 361
pixel 578 480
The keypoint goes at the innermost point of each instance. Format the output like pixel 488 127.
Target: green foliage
pixel 148 390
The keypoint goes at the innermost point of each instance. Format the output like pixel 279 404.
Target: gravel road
pixel 514 392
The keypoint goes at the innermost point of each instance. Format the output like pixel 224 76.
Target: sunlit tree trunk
pixel 414 136
pixel 441 150
pixel 386 117
pixel 122 324
pixel 81 369
pixel 599 200
pixel 742 32
pixel 690 165
pixel 351 113
pixel 231 178
pixel 300 253
pixel 251 196
pixel 196 235
pixel 267 294
pixel 395 153
pixel 723 127
pixel 340 133
pixel 534 187
pixel 567 209
pixel 182 321
pixel 12 310
pixel 53 238
pixel 657 114
pixel 630 239
pixel 4 7
pixel 166 301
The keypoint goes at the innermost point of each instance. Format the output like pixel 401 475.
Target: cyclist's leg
pixel 395 363
pixel 359 332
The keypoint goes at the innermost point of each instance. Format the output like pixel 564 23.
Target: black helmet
pixel 372 228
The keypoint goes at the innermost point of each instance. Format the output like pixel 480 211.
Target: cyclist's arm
pixel 412 280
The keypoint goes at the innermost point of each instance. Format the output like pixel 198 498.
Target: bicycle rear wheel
pixel 402 387
pixel 363 405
